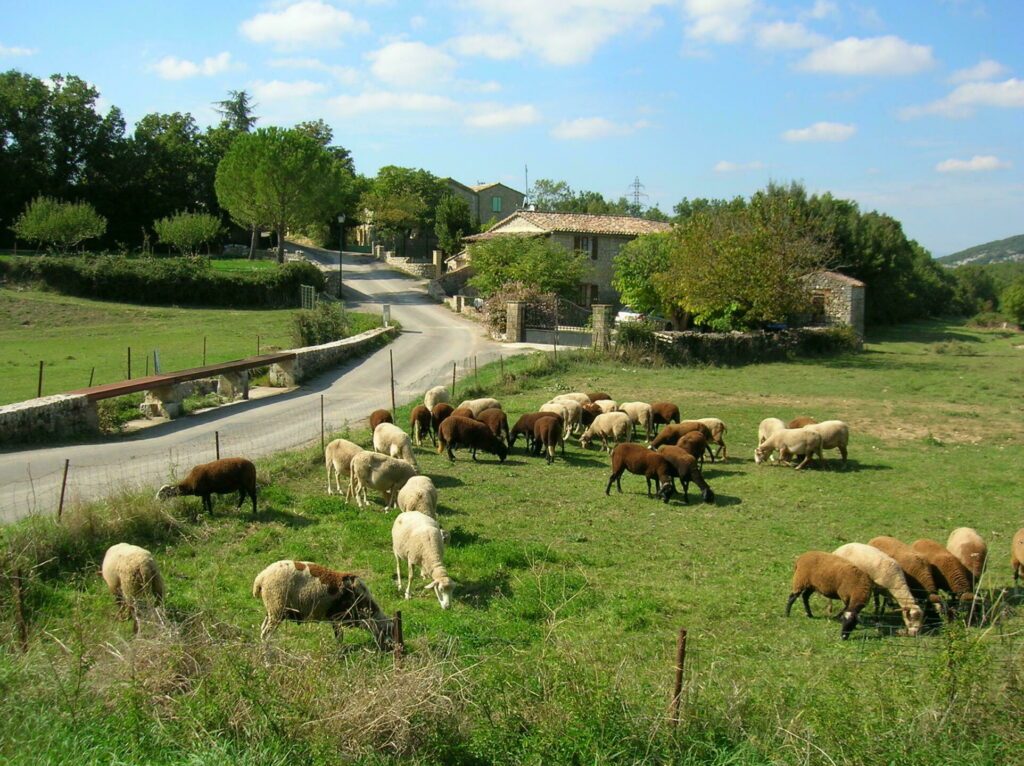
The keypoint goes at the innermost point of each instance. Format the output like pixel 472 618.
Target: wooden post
pixel 677 691
pixel 216 443
pixel 19 610
pixel 501 361
pixel 39 388
pixel 204 351
pixel 391 356
pixel 63 486
pixel 397 638
pixel 323 442
pixel 257 345
pixel 555 340
pixel 453 381
pixel 91 375
pixel 147 365
pixel 476 372
pixel 129 363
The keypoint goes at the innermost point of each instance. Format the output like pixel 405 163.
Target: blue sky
pixel 914 108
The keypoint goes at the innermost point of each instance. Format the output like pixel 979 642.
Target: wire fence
pixel 148 462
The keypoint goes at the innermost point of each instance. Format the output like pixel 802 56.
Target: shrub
pixel 1012 301
pixel 635 336
pixel 495 307
pixel 187 232
pixel 323 324
pixel 59 225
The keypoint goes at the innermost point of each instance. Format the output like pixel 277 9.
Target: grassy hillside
pixel 559 647
pixel 1000 250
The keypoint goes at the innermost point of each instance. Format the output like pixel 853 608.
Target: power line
pixel 637 193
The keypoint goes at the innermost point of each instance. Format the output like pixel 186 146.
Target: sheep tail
pixel 257 586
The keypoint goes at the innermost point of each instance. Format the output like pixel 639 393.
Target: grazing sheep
pixel 497 421
pixel 886 573
pixel 663 413
pixel 835 434
pixel 306 592
pixel 420 422
pixel 832 577
pixel 131 575
pixel 718 430
pixel 338 457
pixel 966 544
pixel 390 440
pixel 685 467
pixel 577 397
pixel 438 414
pixel 607 405
pixel 801 422
pixel 949 574
pixel 417 538
pixel 617 426
pixel 464 432
pixel 596 396
pixel 642 415
pixel 642 462
pixel 767 427
pixel 435 396
pixel 1017 554
pixel 670 434
pixel 587 414
pixel 380 416
pixel 791 441
pixel 218 477
pixel 916 569
pixel 569 411
pixel 548 433
pixel 418 494
pixel 695 443
pixel 476 406
pixel 385 474
pixel 524 427
pixel 463 412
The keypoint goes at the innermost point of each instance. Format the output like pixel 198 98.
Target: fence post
pixel 397 638
pixel 147 365
pixel 19 610
pixel 501 361
pixel 453 380
pixel 129 363
pixel 476 372
pixel 204 351
pixel 91 375
pixel 216 443
pixel 323 442
pixel 39 388
pixel 677 692
pixel 63 486
pixel 257 345
pixel 391 356
pixel 554 349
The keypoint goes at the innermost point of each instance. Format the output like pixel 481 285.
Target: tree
pixel 537 262
pixel 324 135
pixel 188 232
pixel 236 111
pixel 636 266
pixel 280 178
pixel 61 225
pixel 975 289
pixel 1012 301
pixel 453 222
pixel 403 200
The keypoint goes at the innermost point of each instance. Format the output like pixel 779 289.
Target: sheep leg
pixel 269 626
pixel 806 460
pixel 337 630
pixel 613 477
pixel 807 602
pixel 842 451
pixel 398 572
pixel 473 453
pixel 789 602
pixel 710 453
pixel 451 453
pixel 408 580
pixel 686 489
pixel 208 504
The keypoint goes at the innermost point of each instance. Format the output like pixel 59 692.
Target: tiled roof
pixel 581 223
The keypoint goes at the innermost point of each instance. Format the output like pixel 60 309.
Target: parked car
pixel 657 321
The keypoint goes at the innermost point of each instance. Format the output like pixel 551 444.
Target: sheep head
pixel 760 454
pixel 913 617
pixel 708 495
pixel 167 491
pixel 442 587
pixel 665 492
pixel 849 619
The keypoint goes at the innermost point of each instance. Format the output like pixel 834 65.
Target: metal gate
pixel 559 322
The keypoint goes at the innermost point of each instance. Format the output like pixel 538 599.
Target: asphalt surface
pixel 432 339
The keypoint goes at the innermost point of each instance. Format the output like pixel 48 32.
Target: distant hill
pixel 1001 251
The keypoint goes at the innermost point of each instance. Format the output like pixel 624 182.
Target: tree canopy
pixel 534 261
pixel 187 232
pixel 59 225
pixel 453 221
pixel 403 200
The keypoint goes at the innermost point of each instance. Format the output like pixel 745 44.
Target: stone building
pixel 488 201
pixel 599 237
pixel 836 299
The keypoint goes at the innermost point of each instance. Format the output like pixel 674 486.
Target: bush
pixel 496 308
pixel 187 232
pixel 164 281
pixel 636 336
pixel 323 324
pixel 59 225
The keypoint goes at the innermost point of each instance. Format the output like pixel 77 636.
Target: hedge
pixel 163 281
pixel 735 348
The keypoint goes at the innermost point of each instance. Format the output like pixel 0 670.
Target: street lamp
pixel 341 247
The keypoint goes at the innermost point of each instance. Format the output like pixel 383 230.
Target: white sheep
pixel 476 406
pixel 971 551
pixel 767 427
pixel 419 494
pixel 718 429
pixel 835 434
pixel 791 441
pixel 390 440
pixel 886 573
pixel 641 414
pixel 579 398
pixel 607 405
pixel 307 592
pixel 338 458
pixel 131 575
pixel 417 539
pixel 617 426
pixel 436 395
pixel 385 474
pixel 565 409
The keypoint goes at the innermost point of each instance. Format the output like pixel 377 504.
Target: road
pixel 432 339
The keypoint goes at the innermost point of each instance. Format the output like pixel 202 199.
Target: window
pixel 585 244
pixel 495 204
pixel 588 294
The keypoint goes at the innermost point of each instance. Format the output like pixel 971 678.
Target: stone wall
pixel 598 271
pixel 843 298
pixel 415 268
pixel 311 360
pixel 48 417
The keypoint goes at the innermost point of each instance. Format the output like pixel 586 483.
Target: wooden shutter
pixel 593 248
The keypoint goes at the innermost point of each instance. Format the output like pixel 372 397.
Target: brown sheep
pixel 685 466
pixel 458 431
pixel 642 462
pixel 438 413
pixel 547 434
pixel 695 443
pixel 588 412
pixel 663 413
pixel 1017 554
pixel 496 420
pixel 597 396
pixel 380 416
pixel 949 574
pixel 915 568
pixel 420 423
pixel 670 434
pixel 463 412
pixel 229 474
pixel 524 427
pixel 966 544
pixel 832 577
pixel 801 421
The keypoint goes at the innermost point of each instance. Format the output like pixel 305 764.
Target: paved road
pixel 431 340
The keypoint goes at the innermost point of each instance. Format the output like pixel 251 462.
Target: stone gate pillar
pixel 438 258
pixel 602 335
pixel 515 322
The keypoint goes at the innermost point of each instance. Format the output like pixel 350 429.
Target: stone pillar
pixel 165 401
pixel 857 309
pixel 232 385
pixel 283 373
pixel 438 264
pixel 602 335
pixel 515 322
pixel 378 252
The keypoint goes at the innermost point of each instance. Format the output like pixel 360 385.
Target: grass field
pixel 73 335
pixel 241 264
pixel 559 647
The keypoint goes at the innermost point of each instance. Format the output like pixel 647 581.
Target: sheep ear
pixel 430 586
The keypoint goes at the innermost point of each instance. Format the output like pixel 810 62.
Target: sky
pixel 914 108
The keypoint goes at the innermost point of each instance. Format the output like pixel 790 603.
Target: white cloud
pixel 504 117
pixel 583 128
pixel 888 55
pixel 499 47
pixel 174 68
pixel 821 131
pixel 788 35
pixel 821 9
pixel 417 22
pixel 278 90
pixel 724 166
pixel 411 64
pixel 306 23
pixel 964 99
pixel 975 164
pixel 391 101
pixel 345 74
pixel 16 50
pixel 717 21
pixel 986 69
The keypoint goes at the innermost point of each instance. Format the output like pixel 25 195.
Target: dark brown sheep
pixel 832 577
pixel 671 434
pixel 663 413
pixel 524 427
pixel 685 466
pixel 463 412
pixel 588 412
pixel 642 462
pixel 947 571
pixel 380 416
pixel 547 435
pixel 496 420
pixel 596 396
pixel 801 421
pixel 438 414
pixel 696 444
pixel 916 569
pixel 420 423
pixel 457 431
pixel 219 477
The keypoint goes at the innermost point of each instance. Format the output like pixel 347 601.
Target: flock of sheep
pixel 911 576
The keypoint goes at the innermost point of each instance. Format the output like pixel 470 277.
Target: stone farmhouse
pixel 488 202
pixel 836 299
